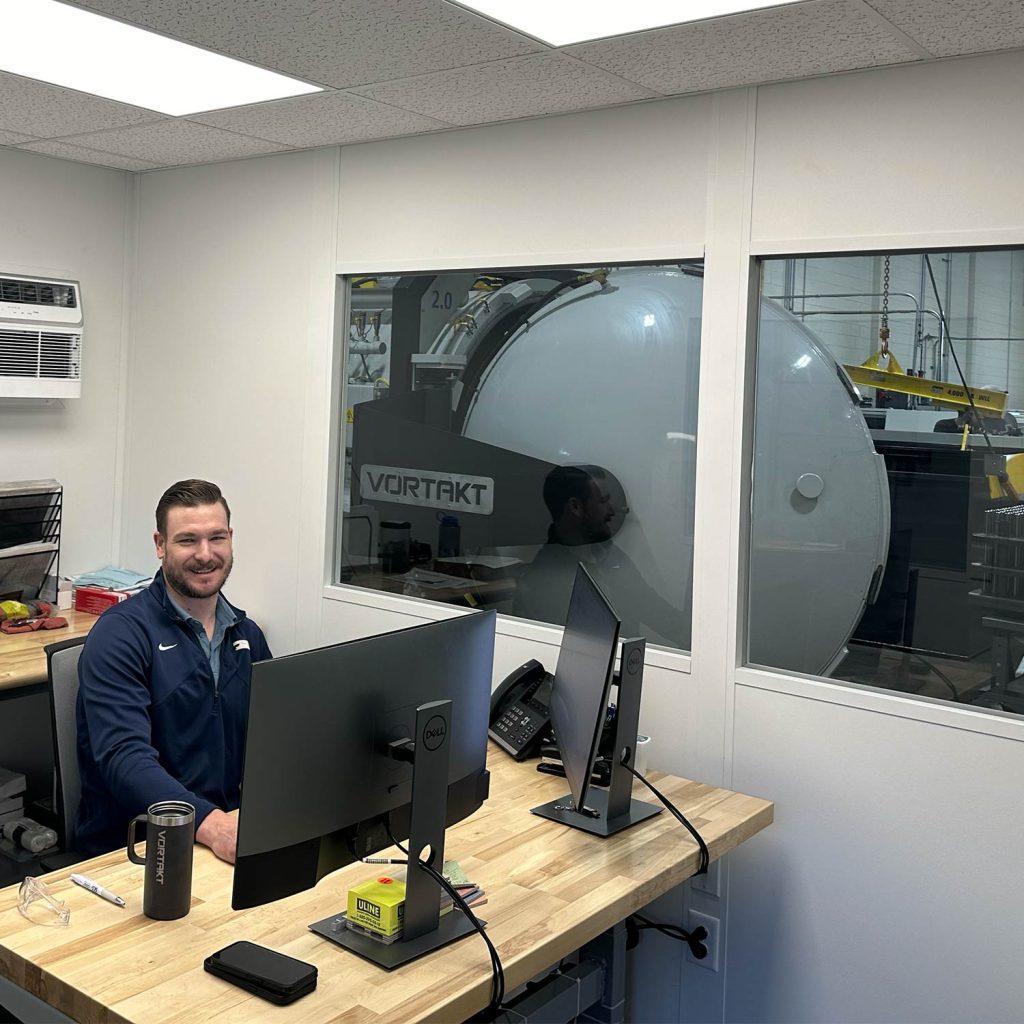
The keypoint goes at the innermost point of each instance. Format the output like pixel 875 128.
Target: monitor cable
pixel 703 861
pixel 636 923
pixel 497 971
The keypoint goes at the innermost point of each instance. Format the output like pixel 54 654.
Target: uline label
pixel 428 489
pixel 366 907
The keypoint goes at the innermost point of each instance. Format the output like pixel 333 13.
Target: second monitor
pixel 579 704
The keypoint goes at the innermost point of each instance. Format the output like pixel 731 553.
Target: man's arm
pixel 115 701
pixel 219 831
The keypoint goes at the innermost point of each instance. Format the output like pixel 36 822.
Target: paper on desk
pixel 112 577
pixel 432 580
pixel 487 561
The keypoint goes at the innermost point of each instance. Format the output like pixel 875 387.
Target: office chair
pixel 62 671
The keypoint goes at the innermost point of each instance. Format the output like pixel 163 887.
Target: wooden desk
pixel 22 658
pixel 550 890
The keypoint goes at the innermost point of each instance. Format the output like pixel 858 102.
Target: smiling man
pixel 164 684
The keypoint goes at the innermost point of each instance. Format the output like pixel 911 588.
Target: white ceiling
pixel 404 67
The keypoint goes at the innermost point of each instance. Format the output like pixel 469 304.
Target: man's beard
pixel 179 582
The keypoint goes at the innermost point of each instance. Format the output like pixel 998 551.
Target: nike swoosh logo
pixel 166 647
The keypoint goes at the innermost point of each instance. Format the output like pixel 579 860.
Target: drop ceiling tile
pixel 522 87
pixel 337 43
pixel 45 111
pixel 322 119
pixel 949 27
pixel 813 38
pixel 12 138
pixel 177 142
pixel 66 151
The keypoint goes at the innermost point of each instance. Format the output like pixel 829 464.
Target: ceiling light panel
pixel 574 21
pixel 52 42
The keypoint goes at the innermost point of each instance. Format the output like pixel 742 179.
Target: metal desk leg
pixel 610 949
pixel 1002 670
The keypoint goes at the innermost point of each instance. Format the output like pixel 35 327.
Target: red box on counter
pixel 96 600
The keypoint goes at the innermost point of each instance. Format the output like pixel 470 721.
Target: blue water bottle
pixel 448 536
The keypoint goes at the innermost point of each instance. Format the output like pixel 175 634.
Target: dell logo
pixel 634 661
pixel 434 733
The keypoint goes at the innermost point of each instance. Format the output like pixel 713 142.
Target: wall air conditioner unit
pixel 40 338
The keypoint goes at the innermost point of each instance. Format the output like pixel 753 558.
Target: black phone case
pixel 264 972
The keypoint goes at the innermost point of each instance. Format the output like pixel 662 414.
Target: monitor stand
pixel 424 930
pixel 611 811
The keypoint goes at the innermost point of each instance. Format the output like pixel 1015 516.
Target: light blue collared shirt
pixel 211 648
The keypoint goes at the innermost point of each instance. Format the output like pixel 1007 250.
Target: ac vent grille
pixel 38 293
pixel 40 354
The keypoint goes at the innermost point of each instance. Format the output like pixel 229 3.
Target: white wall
pixel 71 220
pixel 612 184
pixel 893 840
pixel 887 888
pixel 233 381
pixel 231 344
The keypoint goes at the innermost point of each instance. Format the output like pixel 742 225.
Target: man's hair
pixel 565 482
pixel 188 494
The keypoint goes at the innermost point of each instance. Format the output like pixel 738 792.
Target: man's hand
pixel 219 831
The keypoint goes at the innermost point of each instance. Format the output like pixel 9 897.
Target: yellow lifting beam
pixel 892 378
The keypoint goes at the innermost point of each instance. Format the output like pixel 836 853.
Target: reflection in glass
pixel 879 547
pixel 546 417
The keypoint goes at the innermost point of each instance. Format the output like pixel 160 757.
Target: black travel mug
pixel 170 835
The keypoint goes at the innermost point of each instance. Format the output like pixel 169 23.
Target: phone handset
pixel 520 716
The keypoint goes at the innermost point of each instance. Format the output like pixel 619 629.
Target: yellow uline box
pixel 378 905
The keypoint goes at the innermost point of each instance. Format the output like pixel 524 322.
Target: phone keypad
pixel 519 724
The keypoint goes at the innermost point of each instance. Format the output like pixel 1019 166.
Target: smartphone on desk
pixel 520 711
pixel 264 972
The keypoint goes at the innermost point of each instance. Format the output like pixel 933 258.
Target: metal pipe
pixel 919 325
pixel 790 288
pixel 846 295
pixel 866 312
pixel 973 337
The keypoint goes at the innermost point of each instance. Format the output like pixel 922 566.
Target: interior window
pixel 888 473
pixel 503 426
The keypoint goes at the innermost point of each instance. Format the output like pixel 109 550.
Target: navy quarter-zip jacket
pixel 151 723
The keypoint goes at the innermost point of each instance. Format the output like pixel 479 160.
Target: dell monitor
pixel 324 782
pixel 579 705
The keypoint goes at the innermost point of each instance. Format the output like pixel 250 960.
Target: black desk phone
pixel 520 719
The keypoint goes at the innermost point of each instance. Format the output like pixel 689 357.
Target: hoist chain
pixel 883 330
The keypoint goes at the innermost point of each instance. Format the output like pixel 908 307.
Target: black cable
pixel 694 939
pixel 676 813
pixel 391 836
pixel 497 971
pixel 956 361
pixel 1002 476
pixel 940 674
pixel 500 330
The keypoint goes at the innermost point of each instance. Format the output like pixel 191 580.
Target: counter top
pixel 22 656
